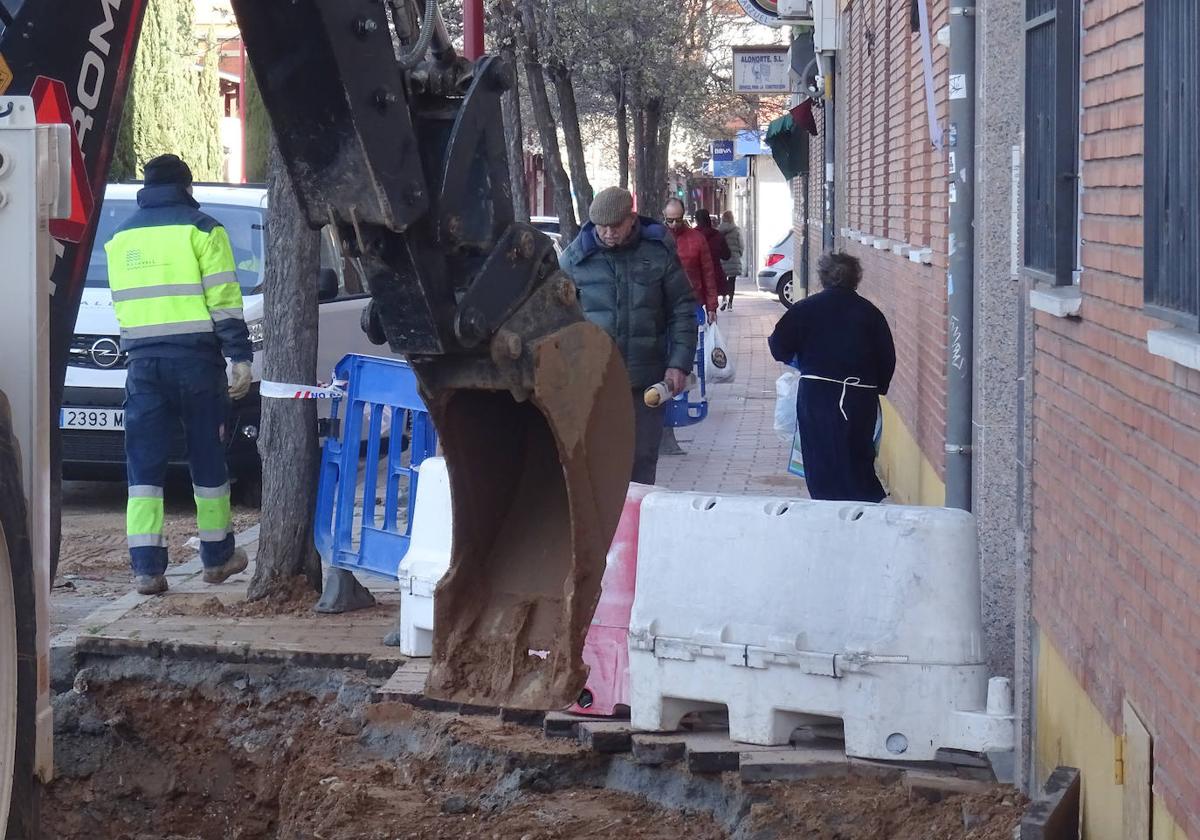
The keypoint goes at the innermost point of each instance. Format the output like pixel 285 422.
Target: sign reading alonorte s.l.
pixel 765 12
pixel 763 70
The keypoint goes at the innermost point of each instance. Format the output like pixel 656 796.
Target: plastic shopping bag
pixel 786 388
pixel 718 361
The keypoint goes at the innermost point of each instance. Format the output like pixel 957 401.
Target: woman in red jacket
pixel 696 256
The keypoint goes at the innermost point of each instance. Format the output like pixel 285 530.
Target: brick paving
pixel 735 449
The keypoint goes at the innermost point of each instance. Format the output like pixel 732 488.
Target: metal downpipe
pixel 827 232
pixel 960 278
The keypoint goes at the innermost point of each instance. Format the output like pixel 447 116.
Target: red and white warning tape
pixel 288 391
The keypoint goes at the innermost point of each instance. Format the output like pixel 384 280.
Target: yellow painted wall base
pixel 908 475
pixel 1165 827
pixel 1071 731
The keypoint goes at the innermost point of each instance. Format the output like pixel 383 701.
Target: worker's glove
pixel 239 380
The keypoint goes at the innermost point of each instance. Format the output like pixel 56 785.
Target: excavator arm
pixel 398 143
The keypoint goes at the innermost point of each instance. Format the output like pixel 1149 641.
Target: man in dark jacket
pixel 632 285
pixel 843 347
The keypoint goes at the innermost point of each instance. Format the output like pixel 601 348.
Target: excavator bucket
pixel 398 142
pixel 539 446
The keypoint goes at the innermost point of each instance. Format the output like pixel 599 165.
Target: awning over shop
pixel 787 138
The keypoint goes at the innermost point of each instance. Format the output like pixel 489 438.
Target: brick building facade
pixel 1116 471
pixel 1087 357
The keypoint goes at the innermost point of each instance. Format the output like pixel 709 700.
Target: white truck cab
pixel 92 417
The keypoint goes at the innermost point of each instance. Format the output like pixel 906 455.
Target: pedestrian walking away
pixel 717 246
pixel 177 300
pixel 696 257
pixel 631 284
pixel 843 347
pixel 732 268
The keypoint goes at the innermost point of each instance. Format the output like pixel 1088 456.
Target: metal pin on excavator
pixel 398 142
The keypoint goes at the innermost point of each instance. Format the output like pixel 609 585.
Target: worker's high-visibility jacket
pixel 174 282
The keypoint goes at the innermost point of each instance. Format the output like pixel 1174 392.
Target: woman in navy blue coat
pixel 843 347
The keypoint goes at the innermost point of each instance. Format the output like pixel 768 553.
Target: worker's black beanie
pixel 167 169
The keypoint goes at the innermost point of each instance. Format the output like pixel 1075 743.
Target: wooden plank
pixel 523 717
pixel 655 749
pixel 934 787
pixel 406 684
pixel 712 752
pixel 1054 815
pixel 605 736
pixel 793 765
pixel 561 725
pixel 1138 772
pixel 868 768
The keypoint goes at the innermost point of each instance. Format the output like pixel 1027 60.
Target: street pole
pixel 473 29
pixel 960 279
pixel 242 104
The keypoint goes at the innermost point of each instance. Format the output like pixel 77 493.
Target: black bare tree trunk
pixel 288 444
pixel 662 158
pixel 647 120
pixel 568 111
pixel 514 141
pixel 542 114
pixel 622 116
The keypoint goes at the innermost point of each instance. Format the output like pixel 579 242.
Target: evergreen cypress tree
pixel 258 131
pixel 212 110
pixel 170 108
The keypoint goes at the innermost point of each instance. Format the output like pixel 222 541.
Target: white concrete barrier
pixel 427 560
pixel 793 612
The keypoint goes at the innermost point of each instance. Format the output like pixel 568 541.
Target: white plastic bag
pixel 718 361
pixel 786 388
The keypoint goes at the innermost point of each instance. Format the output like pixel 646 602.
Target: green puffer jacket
pixel 640 296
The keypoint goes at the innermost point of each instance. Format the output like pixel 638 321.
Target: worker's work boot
pixel 237 562
pixel 150 584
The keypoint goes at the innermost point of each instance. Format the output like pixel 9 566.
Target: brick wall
pixel 894 187
pixel 1116 473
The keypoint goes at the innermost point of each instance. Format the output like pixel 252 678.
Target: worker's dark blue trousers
pixel 160 394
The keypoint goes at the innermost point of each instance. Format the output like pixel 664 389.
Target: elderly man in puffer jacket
pixel 632 285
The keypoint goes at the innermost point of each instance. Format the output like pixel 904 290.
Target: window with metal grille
pixel 1172 161
pixel 1052 138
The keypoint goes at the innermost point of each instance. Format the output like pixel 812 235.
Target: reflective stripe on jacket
pixel 174 283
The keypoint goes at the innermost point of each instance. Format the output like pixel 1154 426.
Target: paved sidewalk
pixel 735 449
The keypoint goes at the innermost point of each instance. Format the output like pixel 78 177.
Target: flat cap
pixel 611 206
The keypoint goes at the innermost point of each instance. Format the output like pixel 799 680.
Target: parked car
pixel 92 417
pixel 776 274
pixel 549 225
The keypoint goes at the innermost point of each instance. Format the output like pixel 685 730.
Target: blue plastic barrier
pixel 374 387
pixel 682 410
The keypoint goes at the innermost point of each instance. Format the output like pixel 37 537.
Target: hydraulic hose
pixel 411 58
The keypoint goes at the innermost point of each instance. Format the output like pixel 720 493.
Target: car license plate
pixel 92 418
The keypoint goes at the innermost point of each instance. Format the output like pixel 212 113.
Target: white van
pixel 92 418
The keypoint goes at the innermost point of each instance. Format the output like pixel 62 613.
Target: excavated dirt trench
pixel 239 754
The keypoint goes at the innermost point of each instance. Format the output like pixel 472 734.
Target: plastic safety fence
pixel 380 433
pixel 683 410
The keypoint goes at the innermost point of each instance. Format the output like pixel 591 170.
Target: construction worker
pixel 177 299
